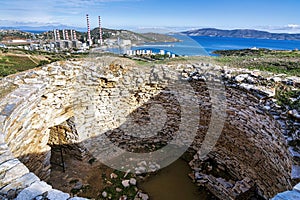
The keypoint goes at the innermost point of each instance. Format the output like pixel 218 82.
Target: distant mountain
pixel 40 28
pixel 242 33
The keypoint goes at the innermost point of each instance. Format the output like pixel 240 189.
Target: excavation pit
pixel 74 107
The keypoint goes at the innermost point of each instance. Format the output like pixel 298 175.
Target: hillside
pixel 279 62
pixel 14 34
pixel 242 33
pixel 136 38
pixel 16 60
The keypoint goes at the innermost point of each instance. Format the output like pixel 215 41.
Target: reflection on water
pixel 173 183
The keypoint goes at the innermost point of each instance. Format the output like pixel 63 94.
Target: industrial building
pixel 147 52
pixel 66 42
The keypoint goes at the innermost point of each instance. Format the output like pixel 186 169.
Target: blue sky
pixel 274 15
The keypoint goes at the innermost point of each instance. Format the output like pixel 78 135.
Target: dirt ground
pixel 81 178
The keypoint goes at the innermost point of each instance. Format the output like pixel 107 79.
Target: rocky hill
pixel 242 33
pixel 14 34
pixel 136 38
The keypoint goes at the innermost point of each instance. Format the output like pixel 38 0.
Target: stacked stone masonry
pixel 251 148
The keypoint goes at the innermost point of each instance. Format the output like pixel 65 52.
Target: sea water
pixel 204 45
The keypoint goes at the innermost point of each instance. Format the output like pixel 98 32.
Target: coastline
pixel 206 45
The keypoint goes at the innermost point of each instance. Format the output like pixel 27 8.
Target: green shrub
pixel 5 71
pixel 285 96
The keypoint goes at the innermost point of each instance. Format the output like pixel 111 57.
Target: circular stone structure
pixel 250 155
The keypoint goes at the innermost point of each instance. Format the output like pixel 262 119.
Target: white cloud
pixel 69 12
pixel 32 23
pixel 293 26
pixel 290 28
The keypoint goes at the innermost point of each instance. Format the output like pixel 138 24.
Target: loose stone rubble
pixel 249 158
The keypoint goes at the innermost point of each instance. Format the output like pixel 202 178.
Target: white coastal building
pixel 125 42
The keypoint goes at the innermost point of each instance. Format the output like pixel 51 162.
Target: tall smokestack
pixel 58 35
pixel 89 29
pixel 74 35
pixel 71 33
pixel 55 37
pixel 100 31
pixel 67 35
pixel 64 34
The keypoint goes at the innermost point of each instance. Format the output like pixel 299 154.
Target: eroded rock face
pixel 250 150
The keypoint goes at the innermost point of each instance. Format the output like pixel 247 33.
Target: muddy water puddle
pixel 174 183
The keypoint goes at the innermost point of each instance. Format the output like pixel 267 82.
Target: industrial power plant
pixel 72 41
pixel 69 37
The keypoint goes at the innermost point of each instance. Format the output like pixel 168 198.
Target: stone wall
pixel 64 138
pixel 250 147
pixel 47 97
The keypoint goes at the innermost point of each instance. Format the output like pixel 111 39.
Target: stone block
pixel 34 190
pixel 20 183
pixel 2 119
pixel 8 165
pixel 294 152
pixel 56 194
pixel 7 155
pixel 13 174
pixel 297 187
pixel 8 109
pixel 295 172
pixel 78 198
pixel 32 81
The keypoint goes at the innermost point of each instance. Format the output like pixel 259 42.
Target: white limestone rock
pixel 132 181
pixel 297 187
pixel 34 190
pixel 20 183
pixel 276 79
pixel 78 198
pixel 125 183
pixel 104 194
pixel 143 196
pixel 240 78
pixel 56 194
pixel 13 173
